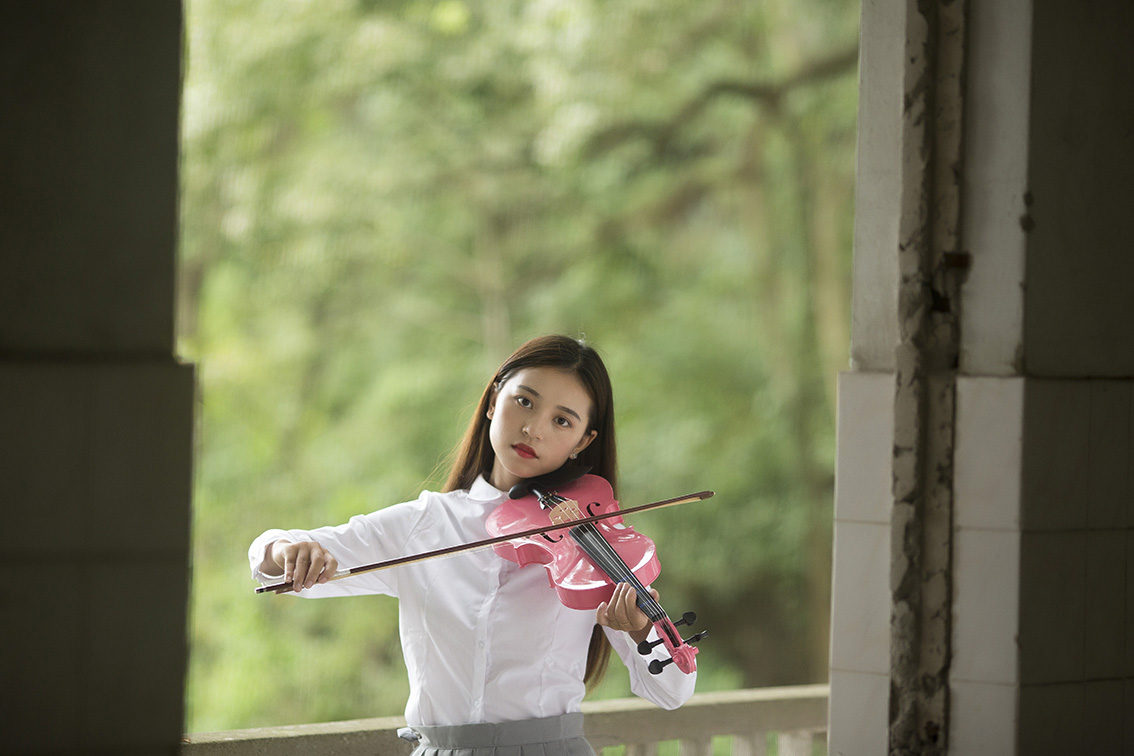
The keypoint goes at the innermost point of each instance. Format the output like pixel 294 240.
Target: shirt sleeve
pixel 364 539
pixel 669 689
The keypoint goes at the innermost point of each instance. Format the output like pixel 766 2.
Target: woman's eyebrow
pixel 537 395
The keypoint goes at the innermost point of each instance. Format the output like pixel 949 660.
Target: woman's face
pixel 538 418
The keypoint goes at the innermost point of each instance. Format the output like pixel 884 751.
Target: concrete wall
pixel 96 413
pixel 1079 306
pixel 1044 661
pixel 1043 477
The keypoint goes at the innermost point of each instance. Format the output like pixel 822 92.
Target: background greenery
pixel 382 199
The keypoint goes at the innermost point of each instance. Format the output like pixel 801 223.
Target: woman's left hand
pixel 622 612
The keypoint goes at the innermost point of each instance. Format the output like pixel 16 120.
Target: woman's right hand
pixel 304 563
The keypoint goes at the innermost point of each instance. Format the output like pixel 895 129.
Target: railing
pixel 741 722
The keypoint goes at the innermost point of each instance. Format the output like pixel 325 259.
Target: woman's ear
pixel 587 439
pixel 492 400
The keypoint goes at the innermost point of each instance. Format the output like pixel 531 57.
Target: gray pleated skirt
pixel 553 736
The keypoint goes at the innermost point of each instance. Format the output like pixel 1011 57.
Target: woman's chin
pixel 520 469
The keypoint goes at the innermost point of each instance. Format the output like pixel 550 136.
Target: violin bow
pixel 448 550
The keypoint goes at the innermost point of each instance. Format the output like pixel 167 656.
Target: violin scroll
pixel 681 650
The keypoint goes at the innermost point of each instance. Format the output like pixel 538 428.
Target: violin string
pixel 594 545
pixel 599 549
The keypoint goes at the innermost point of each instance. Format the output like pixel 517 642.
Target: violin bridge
pixel 564 512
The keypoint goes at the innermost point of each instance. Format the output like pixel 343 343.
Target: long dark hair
pixel 474 455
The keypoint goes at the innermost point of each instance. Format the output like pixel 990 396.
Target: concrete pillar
pixel 1041 656
pixel 96 412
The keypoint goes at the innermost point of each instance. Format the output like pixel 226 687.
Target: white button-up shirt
pixel 484 640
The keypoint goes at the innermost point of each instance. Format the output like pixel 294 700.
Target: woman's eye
pixel 523 401
pixel 563 422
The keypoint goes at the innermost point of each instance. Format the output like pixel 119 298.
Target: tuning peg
pixel 687 619
pixel 645 647
pixel 657 665
pixel 694 638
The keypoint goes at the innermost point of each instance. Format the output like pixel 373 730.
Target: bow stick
pixel 700 496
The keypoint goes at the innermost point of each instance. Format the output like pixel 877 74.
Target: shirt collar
pixel 482 490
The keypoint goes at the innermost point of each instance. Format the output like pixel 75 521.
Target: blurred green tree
pixel 382 199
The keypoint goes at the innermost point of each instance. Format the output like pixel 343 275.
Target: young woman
pixel 494 659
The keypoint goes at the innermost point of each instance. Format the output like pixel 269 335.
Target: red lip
pixel 525 451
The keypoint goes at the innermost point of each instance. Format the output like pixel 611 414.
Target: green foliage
pixel 382 199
